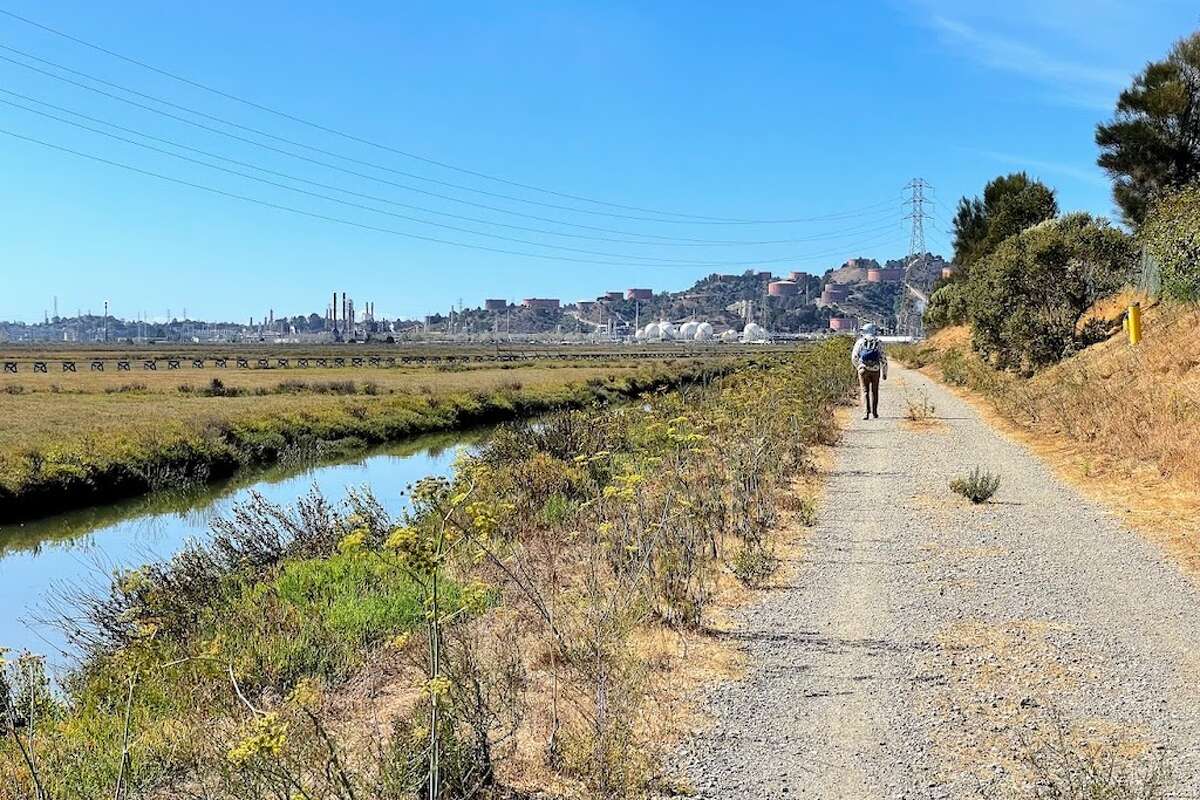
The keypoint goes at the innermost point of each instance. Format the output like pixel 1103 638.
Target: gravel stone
pixel 922 638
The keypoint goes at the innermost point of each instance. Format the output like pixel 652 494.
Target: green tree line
pixel 1026 273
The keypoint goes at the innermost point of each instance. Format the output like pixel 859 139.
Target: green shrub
pixel 947 306
pixel 1027 297
pixel 1171 236
pixel 754 564
pixel 954 368
pixel 978 486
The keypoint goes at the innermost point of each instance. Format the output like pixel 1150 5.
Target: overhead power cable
pixel 671 242
pixel 364 207
pixel 380 229
pixel 386 148
pixel 373 165
pixel 881 206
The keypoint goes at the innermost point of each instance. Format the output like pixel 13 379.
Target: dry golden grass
pixel 1110 310
pixel 1121 422
pixel 41 415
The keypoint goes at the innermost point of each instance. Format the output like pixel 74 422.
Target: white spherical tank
pixel 688 330
pixel 666 330
pixel 703 332
pixel 754 333
pixel 729 336
pixel 650 332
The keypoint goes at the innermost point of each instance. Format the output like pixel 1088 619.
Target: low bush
pixel 125 388
pixel 1171 236
pixel 217 388
pixel 948 305
pixel 954 368
pixel 978 486
pixel 1027 297
pixel 918 407
pixel 1062 767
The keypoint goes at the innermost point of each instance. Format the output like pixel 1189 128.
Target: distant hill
pixel 726 301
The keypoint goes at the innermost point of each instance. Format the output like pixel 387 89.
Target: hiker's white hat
pixel 869 329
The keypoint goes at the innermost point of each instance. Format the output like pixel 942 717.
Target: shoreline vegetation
pixel 533 625
pixel 111 440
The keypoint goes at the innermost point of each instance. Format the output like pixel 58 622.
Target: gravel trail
pixel 923 643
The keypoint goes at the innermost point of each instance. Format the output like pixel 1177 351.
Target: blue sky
pixel 780 111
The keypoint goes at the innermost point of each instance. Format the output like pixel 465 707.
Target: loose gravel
pixel 925 644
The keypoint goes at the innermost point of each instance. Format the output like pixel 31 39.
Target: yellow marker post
pixel 1134 323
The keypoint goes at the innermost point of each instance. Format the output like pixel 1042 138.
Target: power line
pixel 351 137
pixel 173 143
pixel 376 228
pixel 374 165
pixel 364 207
pixel 327 165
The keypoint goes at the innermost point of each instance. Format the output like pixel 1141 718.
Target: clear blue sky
pixel 775 110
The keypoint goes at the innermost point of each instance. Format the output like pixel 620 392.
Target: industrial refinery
pixel 755 306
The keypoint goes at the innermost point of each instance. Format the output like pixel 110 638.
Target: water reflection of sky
pixel 40 559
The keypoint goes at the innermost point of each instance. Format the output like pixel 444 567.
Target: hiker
pixel 871 362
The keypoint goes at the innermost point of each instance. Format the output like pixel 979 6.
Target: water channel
pixel 42 558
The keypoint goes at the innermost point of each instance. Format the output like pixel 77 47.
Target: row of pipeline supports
pixel 125 365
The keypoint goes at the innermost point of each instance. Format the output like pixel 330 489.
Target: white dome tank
pixel 666 330
pixel 688 330
pixel 650 332
pixel 754 333
pixel 729 336
pixel 703 332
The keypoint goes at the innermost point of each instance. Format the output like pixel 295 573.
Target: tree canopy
pixel 1009 205
pixel 1153 142
pixel 1027 297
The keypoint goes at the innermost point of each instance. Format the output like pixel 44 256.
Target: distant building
pixel 585 305
pixel 639 294
pixel 764 276
pixel 796 276
pixel 885 274
pixel 834 293
pixel 541 302
pixel 782 288
pixel 843 324
pixel 611 297
pixel 495 304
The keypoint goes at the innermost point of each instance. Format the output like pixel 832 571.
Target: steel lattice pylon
pixel 909 323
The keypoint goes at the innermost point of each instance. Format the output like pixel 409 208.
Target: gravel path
pixel 924 643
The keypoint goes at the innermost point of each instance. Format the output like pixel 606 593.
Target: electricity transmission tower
pixel 908 320
pixel 916 212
